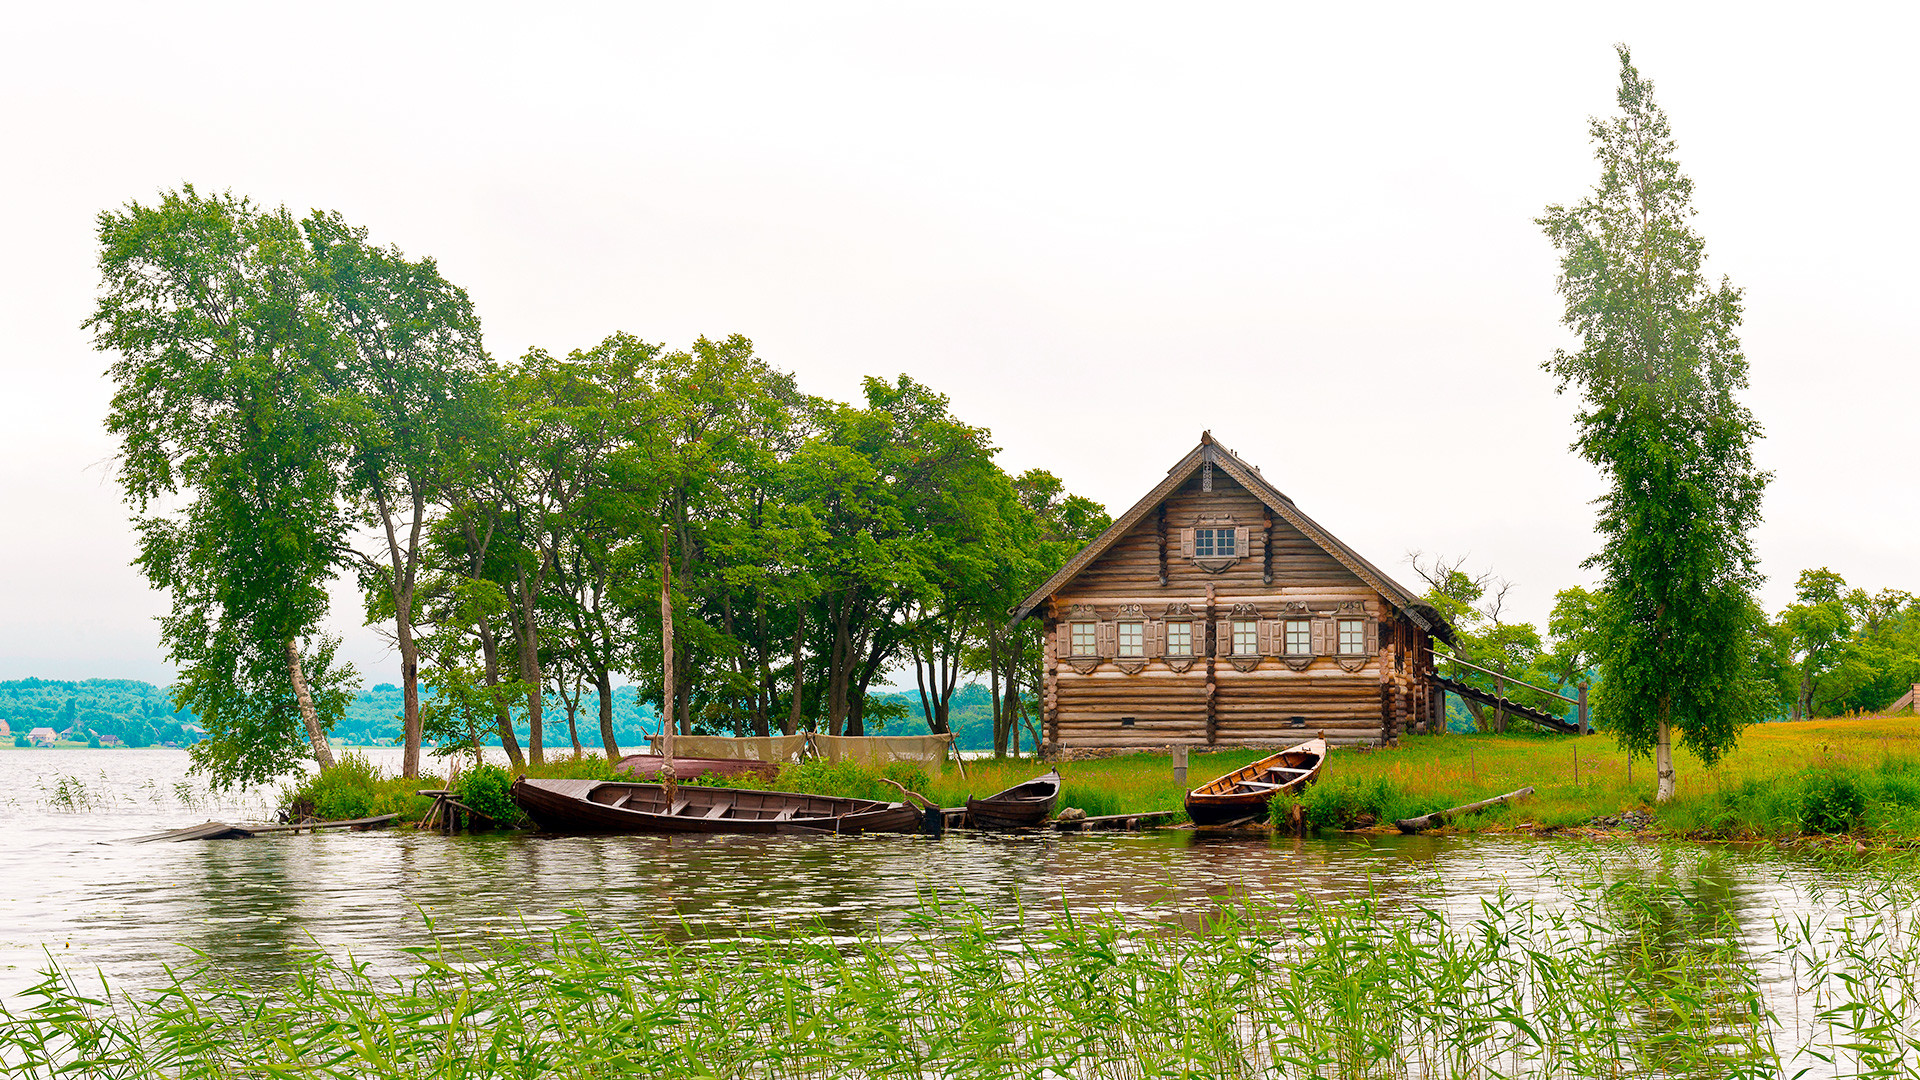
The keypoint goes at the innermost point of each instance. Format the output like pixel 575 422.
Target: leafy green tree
pixel 414 346
pixel 227 392
pixel 1659 369
pixel 1819 626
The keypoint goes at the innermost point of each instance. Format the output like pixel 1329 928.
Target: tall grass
pixel 1623 980
pixel 355 788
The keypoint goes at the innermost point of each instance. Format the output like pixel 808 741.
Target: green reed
pixel 1623 979
pixel 70 793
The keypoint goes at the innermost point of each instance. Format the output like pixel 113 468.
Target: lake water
pixel 128 910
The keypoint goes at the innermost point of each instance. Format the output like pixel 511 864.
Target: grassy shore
pixel 1858 776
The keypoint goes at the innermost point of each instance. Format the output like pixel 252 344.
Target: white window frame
pixel 1130 638
pixel 1359 636
pixel 1087 645
pixel 1246 637
pixel 1182 644
pixel 1302 637
pixel 1207 541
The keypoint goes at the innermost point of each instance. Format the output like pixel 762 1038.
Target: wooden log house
pixel 1215 613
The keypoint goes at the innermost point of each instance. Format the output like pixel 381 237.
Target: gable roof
pixel 1403 599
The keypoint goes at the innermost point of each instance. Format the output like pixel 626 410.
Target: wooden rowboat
pixel 1021 806
pixel 618 806
pixel 1245 793
pixel 687 768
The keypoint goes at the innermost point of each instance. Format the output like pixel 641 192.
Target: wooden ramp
pixel 1908 700
pixel 220 830
pixel 1545 720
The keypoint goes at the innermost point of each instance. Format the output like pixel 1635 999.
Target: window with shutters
pixel 1083 638
pixel 1133 638
pixel 1353 637
pixel 1246 637
pixel 1214 544
pixel 1180 639
pixel 1299 637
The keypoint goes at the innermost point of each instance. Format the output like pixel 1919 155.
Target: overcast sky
pixel 1100 228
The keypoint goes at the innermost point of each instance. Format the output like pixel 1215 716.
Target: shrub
pixel 488 789
pixel 1360 802
pixel 909 775
pixel 588 767
pixel 354 788
pixel 1831 803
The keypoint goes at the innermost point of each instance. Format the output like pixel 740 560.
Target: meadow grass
pixel 1856 776
pixel 1621 976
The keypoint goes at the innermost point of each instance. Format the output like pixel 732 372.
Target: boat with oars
pixel 1243 794
pixel 617 806
pixel 1022 806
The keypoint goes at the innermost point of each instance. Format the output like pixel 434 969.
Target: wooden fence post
pixel 1584 727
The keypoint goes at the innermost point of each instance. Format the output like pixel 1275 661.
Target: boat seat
pixel 622 801
pixel 1254 785
pixel 678 805
pixel 718 809
pixel 785 814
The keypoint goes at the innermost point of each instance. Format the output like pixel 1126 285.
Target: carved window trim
pixel 1215 563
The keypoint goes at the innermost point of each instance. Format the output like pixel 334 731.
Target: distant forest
pixel 142 714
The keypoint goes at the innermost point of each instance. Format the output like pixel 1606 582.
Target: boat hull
pixel 609 806
pixel 1248 792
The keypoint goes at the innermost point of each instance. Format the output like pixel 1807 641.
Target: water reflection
pixel 1678 916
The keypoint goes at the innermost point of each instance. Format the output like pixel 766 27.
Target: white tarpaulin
pixel 877 750
pixel 754 748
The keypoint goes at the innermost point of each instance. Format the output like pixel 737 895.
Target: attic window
pixel 1214 544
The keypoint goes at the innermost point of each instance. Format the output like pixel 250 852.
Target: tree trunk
pixel 405 564
pixel 799 684
pixel 999 711
pixel 838 665
pixel 666 662
pixel 1663 756
pixel 1010 706
pixel 573 728
pixel 490 655
pixel 530 672
pixel 322 752
pixel 603 686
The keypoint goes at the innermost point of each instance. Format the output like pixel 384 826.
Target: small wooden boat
pixel 688 768
pixel 618 806
pixel 1021 806
pixel 1245 793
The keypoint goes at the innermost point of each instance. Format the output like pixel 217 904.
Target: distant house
pixel 5 731
pixel 42 736
pixel 111 740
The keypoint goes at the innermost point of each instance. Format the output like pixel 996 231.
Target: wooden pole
pixel 1427 821
pixel 666 662
pixel 1584 727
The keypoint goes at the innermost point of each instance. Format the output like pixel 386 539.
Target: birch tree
pixel 228 410
pixel 1659 369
